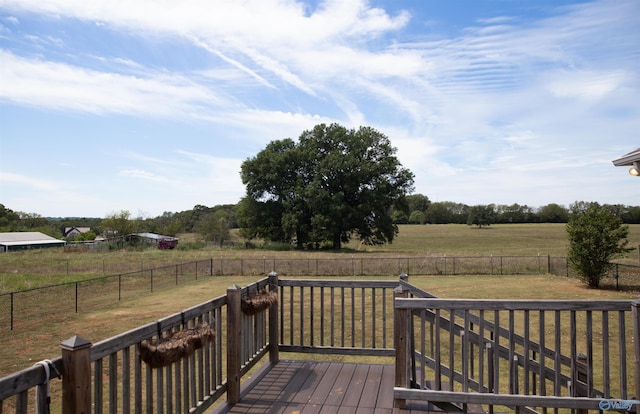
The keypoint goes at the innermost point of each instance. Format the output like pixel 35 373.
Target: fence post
pixel 401 342
pixel 11 310
pixel 549 263
pixel 234 337
pixel 635 315
pixel 76 376
pixel 274 353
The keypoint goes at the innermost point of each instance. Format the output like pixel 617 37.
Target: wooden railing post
pixel 635 316
pixel 401 342
pixel 582 379
pixel 234 335
pixel 274 342
pixel 76 376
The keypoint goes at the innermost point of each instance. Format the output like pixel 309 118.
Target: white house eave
pixel 628 159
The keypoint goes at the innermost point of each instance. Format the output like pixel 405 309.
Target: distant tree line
pixel 214 223
pixel 423 211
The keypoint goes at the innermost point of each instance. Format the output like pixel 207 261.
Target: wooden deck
pixel 310 387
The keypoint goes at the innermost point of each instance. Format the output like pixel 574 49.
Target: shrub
pixel 595 237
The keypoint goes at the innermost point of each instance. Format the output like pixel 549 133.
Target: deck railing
pixel 337 317
pixel 122 382
pixel 553 354
pixel 515 354
pixel 111 376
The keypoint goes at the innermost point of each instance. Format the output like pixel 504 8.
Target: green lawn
pixel 497 240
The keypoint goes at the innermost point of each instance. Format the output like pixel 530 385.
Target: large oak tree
pixel 333 184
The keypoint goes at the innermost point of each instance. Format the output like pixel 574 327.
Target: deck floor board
pixel 309 387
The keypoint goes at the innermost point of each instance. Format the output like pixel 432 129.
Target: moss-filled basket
pixel 258 302
pixel 181 344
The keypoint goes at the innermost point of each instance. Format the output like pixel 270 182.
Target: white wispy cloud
pixel 50 84
pixel 11 19
pixel 8 178
pixel 589 85
pixel 220 174
pixel 143 175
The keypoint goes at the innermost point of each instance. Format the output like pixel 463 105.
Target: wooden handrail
pixel 437 309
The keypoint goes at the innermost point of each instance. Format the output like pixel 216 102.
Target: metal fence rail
pixel 29 308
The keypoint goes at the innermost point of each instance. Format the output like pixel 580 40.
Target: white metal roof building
pixel 163 242
pixel 25 240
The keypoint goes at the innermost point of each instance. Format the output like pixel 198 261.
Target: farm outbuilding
pixel 26 240
pixel 162 242
pixel 75 231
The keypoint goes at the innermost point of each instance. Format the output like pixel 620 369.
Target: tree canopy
pixel 595 237
pixel 333 184
pixel 482 215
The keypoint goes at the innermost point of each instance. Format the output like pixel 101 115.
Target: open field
pixel 460 239
pixel 41 267
pixel 30 269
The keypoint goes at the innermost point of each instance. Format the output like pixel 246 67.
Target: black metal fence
pixel 28 308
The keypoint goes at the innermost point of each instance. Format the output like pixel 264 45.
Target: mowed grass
pixel 21 349
pixel 30 269
pixel 498 240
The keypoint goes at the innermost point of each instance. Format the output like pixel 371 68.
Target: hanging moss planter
pixel 258 302
pixel 165 351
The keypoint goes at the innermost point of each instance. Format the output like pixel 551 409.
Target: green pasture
pixel 30 269
pixel 498 240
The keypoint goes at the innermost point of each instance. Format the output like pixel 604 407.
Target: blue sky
pixel 152 106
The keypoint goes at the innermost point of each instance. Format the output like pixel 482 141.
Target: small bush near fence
pixel 28 308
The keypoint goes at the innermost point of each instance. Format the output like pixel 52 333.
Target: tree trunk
pixel 336 242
